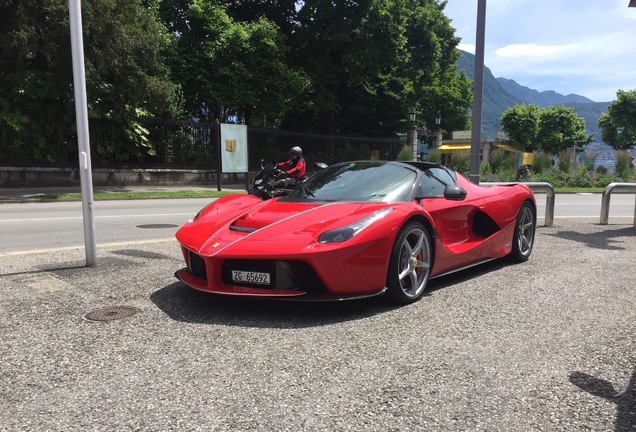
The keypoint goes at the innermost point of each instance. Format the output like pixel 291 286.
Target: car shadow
pixel 605 239
pixel 185 304
pixel 465 275
pixel 625 402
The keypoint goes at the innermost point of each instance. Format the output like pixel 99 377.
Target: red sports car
pixel 356 229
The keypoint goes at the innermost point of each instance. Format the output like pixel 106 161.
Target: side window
pixel 433 184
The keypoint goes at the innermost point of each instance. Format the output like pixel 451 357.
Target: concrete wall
pixel 67 177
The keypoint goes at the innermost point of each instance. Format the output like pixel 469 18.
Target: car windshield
pixel 359 181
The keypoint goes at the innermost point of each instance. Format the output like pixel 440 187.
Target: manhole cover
pixel 158 226
pixel 111 313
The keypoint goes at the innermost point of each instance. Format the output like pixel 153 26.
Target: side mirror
pixel 454 192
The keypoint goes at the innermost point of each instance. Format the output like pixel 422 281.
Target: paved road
pixel 547 345
pixel 34 226
pixel 588 205
pixel 53 225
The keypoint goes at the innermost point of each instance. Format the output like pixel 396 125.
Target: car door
pixel 457 244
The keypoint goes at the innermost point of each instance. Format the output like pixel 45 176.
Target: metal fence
pixel 174 144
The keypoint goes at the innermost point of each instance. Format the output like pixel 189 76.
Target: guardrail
pixel 536 187
pixel 607 193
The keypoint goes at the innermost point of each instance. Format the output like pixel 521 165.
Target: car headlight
pixel 344 233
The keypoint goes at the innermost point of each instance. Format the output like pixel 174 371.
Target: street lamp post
pixel 438 130
pixel 413 134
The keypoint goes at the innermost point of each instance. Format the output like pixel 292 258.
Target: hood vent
pixel 235 227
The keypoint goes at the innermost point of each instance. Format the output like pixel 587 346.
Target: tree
pixel 551 129
pixel 228 67
pixel 371 62
pixel 521 122
pixel 125 73
pixel 619 123
pixel 560 128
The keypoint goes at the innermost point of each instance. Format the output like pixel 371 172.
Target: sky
pixel 586 47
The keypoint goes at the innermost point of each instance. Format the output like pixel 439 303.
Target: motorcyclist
pixel 294 169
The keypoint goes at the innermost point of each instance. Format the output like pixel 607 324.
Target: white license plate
pixel 250 277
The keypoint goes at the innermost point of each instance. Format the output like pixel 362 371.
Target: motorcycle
pixel 263 185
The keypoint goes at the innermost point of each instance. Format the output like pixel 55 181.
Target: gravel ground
pixel 548 345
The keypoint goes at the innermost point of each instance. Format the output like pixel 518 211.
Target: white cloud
pixel 568 46
pixel 531 50
pixel 467 47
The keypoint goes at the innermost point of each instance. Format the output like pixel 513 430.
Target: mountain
pixel 500 94
pixel 543 99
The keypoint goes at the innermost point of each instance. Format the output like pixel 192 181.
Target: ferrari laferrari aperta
pixel 356 229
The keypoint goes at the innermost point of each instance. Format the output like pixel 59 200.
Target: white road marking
pixel 96 217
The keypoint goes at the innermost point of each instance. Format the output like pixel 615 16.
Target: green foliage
pixel 589 160
pixel 565 161
pixel 623 160
pixel 602 180
pixel 348 67
pixel 522 124
pixel 434 156
pixel 550 129
pixel 507 175
pixel 502 160
pixel 370 63
pixel 125 71
pixel 541 163
pixel 560 128
pixel 460 162
pixel 582 178
pixel 496 158
pixel 405 154
pixel 555 177
pixel 349 152
pixel 486 173
pixel 228 67
pixel 619 123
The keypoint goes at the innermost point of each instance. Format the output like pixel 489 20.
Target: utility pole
pixel 83 142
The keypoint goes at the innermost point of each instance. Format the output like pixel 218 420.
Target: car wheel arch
pixel 430 228
pixel 415 240
pixel 525 235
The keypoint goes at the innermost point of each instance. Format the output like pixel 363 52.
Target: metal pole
pixel 83 142
pixel 478 88
pixel 413 136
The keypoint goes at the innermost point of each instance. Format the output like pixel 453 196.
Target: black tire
pixel 410 264
pixel 525 230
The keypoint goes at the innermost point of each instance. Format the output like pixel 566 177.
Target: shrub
pixel 507 175
pixel 541 163
pixel 405 154
pixel 460 162
pixel 555 177
pixel 565 161
pixel 622 168
pixel 602 179
pixel 496 159
pixel 589 160
pixel 581 178
pixel 484 169
pixel 434 156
